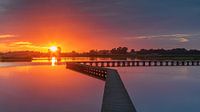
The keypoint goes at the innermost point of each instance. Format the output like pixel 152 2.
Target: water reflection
pixel 54 61
pixel 48 89
pixel 153 89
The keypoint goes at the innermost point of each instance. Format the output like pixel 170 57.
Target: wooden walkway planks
pixel 116 98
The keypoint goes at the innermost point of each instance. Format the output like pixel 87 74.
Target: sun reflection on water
pixel 53 61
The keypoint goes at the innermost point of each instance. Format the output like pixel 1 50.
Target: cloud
pixel 163 36
pixel 177 37
pixel 20 46
pixel 182 39
pixel 3 36
pixel 21 43
pixel 25 45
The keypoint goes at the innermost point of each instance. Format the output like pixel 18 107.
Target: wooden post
pixel 149 63
pixel 113 64
pixel 133 63
pixel 155 63
pixel 143 63
pixel 161 63
pixel 167 63
pixel 97 64
pixel 177 63
pixel 108 64
pixel 102 64
pixel 197 63
pixel 123 63
pixel 188 63
pixel 183 63
pixel 192 63
pixel 137 63
pixel 172 63
pixel 128 63
pixel 118 64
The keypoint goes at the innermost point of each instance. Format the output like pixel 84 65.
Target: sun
pixel 53 48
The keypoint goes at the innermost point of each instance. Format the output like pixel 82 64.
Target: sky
pixel 82 25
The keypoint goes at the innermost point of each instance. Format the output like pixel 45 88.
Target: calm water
pixel 47 88
pixel 163 89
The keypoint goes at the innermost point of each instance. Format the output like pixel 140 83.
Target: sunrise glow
pixel 53 48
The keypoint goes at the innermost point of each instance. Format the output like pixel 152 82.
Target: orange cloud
pixel 2 36
pixel 24 45
pixel 20 44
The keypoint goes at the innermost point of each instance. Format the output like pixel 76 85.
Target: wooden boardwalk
pixel 145 63
pixel 115 98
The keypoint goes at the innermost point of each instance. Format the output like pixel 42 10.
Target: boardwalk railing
pixel 140 63
pixel 97 72
pixel 116 98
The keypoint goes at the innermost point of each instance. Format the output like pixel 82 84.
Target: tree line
pixel 119 51
pixel 133 52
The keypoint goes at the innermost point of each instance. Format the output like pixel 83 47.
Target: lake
pixel 46 88
pixel 163 89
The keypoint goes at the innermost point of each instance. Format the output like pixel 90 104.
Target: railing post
pixel 118 64
pixel 97 64
pixel 188 63
pixel 144 63
pixel 137 63
pixel 167 63
pixel 161 63
pixel 197 63
pixel 149 63
pixel 192 63
pixel 172 63
pixel 108 64
pixel 183 63
pixel 113 64
pixel 177 63
pixel 102 64
pixel 155 63
pixel 128 63
pixel 133 63
pixel 123 63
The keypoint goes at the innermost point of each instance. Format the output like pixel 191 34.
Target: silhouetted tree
pixel 119 50
pixel 132 51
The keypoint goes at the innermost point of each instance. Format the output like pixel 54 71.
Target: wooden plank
pixel 116 98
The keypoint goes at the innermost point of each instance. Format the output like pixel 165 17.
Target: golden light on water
pixel 53 61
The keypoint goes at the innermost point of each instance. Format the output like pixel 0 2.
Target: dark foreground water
pixel 47 88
